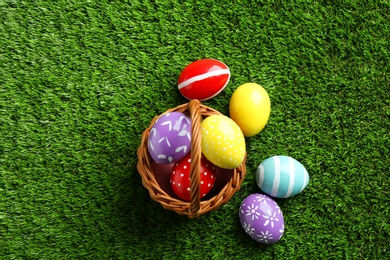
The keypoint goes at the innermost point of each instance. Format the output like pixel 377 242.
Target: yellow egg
pixel 222 142
pixel 250 108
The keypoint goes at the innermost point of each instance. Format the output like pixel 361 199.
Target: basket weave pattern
pixel 195 207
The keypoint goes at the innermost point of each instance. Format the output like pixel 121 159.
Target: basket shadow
pixel 143 218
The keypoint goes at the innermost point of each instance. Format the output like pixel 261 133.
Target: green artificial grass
pixel 81 80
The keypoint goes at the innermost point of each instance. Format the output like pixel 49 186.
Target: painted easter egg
pixel 222 141
pixel 170 138
pixel 203 79
pixel 181 181
pixel 262 218
pixel 281 176
pixel 250 107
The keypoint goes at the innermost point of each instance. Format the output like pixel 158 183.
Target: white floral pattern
pixel 281 232
pixel 264 237
pixel 278 208
pixel 260 199
pixel 248 229
pixel 242 205
pixel 252 211
pixel 270 218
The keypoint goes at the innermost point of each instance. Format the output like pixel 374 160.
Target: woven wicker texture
pixel 195 207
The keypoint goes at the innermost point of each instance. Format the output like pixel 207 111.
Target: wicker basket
pixel 195 207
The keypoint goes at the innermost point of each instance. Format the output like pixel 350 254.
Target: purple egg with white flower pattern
pixel 262 219
pixel 170 138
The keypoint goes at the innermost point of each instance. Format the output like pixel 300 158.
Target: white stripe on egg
pixel 261 176
pixel 292 177
pixel 305 180
pixel 204 76
pixel 276 183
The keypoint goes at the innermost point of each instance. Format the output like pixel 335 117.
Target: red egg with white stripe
pixel 181 181
pixel 203 79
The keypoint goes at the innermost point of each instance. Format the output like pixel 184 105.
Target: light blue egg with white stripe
pixel 281 176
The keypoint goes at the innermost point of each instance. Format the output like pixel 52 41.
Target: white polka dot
pixel 218 137
pixel 174 172
pixel 209 185
pixel 201 182
pixel 173 183
pixel 189 160
pixel 205 173
pixel 182 175
pixel 188 189
pixel 185 167
pixel 178 184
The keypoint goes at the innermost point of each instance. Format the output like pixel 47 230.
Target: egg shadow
pixel 162 174
pixel 222 178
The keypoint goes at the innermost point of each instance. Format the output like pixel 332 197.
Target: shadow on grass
pixel 143 217
pixel 144 221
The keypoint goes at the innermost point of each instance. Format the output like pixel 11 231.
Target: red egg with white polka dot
pixel 180 177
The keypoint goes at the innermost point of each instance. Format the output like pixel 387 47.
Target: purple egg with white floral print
pixel 262 219
pixel 170 138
